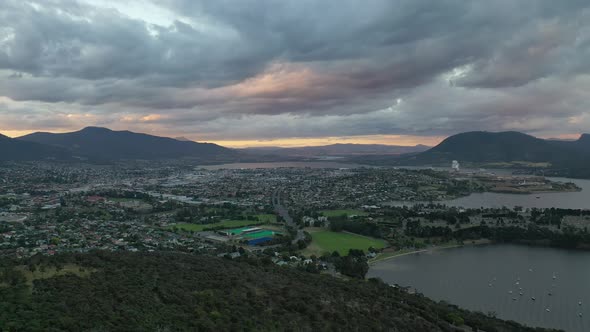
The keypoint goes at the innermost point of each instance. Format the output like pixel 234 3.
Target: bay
pixel 489 279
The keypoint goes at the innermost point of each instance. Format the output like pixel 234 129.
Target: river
pixel 482 277
pixel 285 164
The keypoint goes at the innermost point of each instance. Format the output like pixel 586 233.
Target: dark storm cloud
pixel 338 63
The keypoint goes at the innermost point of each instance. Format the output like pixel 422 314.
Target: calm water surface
pixel 482 277
pixel 296 164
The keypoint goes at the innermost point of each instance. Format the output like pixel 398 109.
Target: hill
pixel 12 149
pixel 106 144
pixel 105 291
pixel 510 146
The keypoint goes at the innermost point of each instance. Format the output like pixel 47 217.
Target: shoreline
pixel 435 248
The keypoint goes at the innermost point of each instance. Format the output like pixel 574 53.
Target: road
pixel 284 213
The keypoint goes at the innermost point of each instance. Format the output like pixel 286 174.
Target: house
pixel 95 199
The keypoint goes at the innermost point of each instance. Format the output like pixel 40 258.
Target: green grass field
pixel 267 218
pixel 328 242
pixel 348 212
pixel 224 224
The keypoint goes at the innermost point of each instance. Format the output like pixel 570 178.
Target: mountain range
pixel 477 147
pixel 96 143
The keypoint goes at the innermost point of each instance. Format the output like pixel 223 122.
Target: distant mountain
pixel 106 144
pixel 12 149
pixel 583 143
pixel 183 139
pixel 340 150
pixel 510 146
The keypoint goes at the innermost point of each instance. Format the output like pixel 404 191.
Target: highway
pixel 284 213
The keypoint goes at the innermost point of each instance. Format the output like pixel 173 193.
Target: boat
pixel 580 314
pixel 513 299
pixel 533 298
pixel 580 303
pixel 510 292
pixel 520 293
pixel 547 310
pixel 538 197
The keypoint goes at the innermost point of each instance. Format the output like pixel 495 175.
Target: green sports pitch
pixel 347 212
pixel 327 242
pixel 262 219
pixel 221 224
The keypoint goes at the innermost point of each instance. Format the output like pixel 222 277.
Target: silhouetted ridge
pixel 103 143
pixel 485 147
pixel 12 149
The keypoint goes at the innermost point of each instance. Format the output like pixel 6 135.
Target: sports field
pixel 267 218
pixel 328 242
pixel 259 234
pixel 348 212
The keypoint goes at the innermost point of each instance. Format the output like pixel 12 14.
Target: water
pixel 290 164
pixel 462 276
pixel 565 200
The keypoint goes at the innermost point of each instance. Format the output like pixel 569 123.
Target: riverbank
pixel 386 255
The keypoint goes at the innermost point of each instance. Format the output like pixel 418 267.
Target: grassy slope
pixel 263 219
pixel 327 241
pixel 348 212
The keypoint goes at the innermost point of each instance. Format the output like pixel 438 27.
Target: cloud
pixel 269 69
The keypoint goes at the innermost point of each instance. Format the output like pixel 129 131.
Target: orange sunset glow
pixel 318 141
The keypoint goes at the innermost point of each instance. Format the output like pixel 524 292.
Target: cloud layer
pixel 248 70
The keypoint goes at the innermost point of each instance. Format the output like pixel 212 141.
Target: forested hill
pixel 12 149
pixel 510 146
pixel 106 144
pixel 105 291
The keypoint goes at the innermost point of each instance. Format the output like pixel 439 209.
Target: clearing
pixel 347 212
pixel 324 241
pixel 221 224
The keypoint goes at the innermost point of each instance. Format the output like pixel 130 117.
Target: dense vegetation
pixel 531 234
pixel 502 225
pixel 178 292
pixel 338 224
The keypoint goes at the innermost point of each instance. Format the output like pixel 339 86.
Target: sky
pixel 296 72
